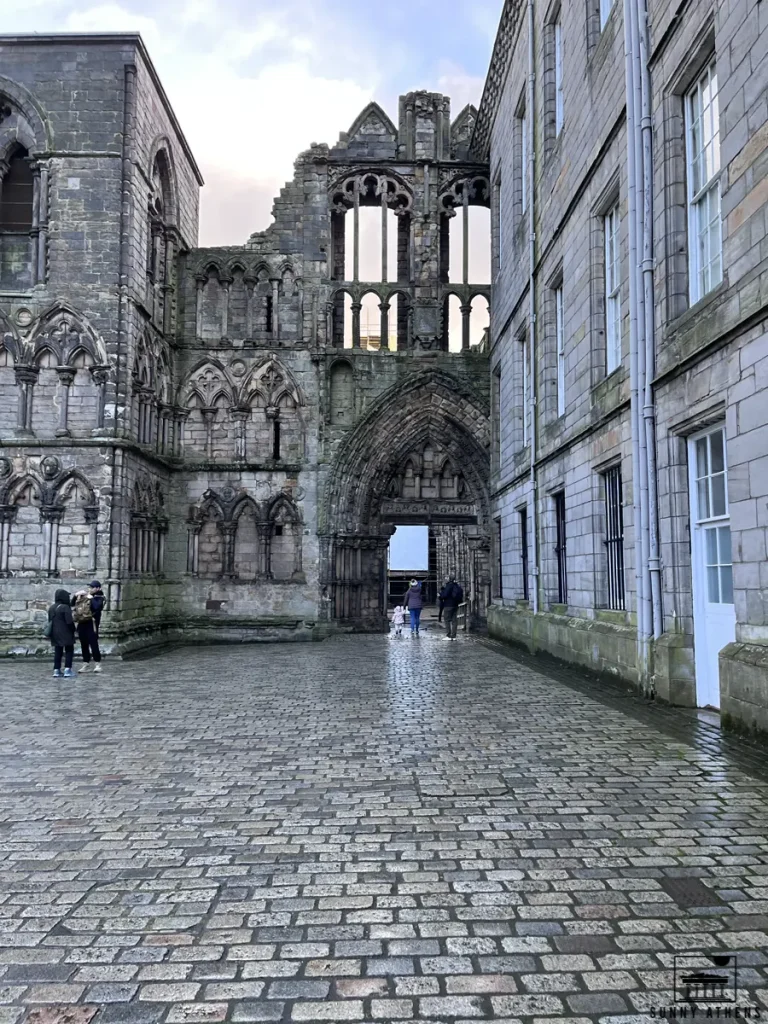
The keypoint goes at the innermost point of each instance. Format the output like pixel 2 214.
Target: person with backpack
pixel 61 631
pixel 451 597
pixel 97 604
pixel 82 613
pixel 414 602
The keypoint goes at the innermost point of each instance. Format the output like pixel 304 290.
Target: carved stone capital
pixel 66 375
pixel 51 513
pixel 8 513
pixel 26 374
pixel 100 374
pixel 91 514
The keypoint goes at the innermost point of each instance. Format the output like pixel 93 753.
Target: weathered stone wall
pixel 196 399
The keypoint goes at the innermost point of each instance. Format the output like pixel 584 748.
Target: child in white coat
pixel 398 618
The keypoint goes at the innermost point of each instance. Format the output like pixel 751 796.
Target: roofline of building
pixel 120 38
pixel 480 143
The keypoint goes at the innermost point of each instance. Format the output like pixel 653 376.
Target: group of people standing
pixel 78 615
pixel 449 599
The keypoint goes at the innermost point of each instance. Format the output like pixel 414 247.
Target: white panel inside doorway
pixel 714 617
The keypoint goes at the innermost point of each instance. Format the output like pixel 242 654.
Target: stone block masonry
pixel 211 432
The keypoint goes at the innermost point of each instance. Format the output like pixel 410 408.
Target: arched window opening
pixel 9 393
pixel 285 543
pixel 377 255
pixel 370 322
pixel 46 400
pixel 84 397
pixel 342 395
pixel 470 265
pixel 347 321
pixel 26 542
pixel 16 193
pixel 247 564
pixel 370 229
pixel 276 436
pixel 454 316
pixel 479 320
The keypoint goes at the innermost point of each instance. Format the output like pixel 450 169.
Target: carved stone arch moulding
pixel 162 173
pixel 432 408
pixel 476 187
pixel 65 332
pixel 25 118
pixel 372 188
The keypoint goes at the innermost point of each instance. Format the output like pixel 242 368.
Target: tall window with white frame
pixel 605 10
pixel 702 134
pixel 614 538
pixel 525 374
pixel 611 224
pixel 562 575
pixel 558 33
pixel 560 342
pixel 523 513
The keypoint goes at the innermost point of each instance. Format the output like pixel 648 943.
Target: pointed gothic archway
pixel 420 455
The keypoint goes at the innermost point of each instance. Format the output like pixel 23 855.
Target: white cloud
pixel 461 87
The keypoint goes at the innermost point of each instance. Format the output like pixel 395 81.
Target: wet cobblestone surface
pixel 367 829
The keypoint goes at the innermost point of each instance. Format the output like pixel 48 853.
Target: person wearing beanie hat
pixel 97 603
pixel 414 602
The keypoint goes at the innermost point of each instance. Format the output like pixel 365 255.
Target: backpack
pixel 82 612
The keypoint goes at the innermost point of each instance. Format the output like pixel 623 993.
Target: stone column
pixel 466 309
pixel 264 531
pixel 180 416
pixel 162 533
pixel 356 307
pixel 42 220
pixel 240 416
pixel 272 413
pixel 193 548
pixel 298 572
pixel 7 516
pixel 224 301
pixel 100 376
pixel 50 516
pixel 66 376
pixel 275 308
pixel 384 330
pixel 250 287
pixel 465 233
pixel 228 531
pixel 384 234
pixel 34 233
pixel 26 377
pixel 92 521
pixel 356 233
pixel 200 282
pixel 208 414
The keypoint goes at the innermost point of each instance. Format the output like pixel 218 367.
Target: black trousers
pixel 67 652
pixel 449 615
pixel 89 642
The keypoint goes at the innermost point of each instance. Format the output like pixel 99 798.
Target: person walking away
pixel 97 604
pixel 82 612
pixel 62 633
pixel 441 598
pixel 452 597
pixel 414 602
pixel 398 618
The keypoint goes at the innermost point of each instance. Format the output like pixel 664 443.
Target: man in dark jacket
pixel 451 595
pixel 441 599
pixel 414 602
pixel 62 633
pixel 97 604
pixel 82 604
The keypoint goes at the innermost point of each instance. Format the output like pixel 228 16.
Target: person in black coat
pixel 451 596
pixel 62 633
pixel 97 604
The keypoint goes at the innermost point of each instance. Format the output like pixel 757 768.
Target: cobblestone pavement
pixel 367 829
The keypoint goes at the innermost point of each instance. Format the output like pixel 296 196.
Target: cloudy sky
pixel 254 82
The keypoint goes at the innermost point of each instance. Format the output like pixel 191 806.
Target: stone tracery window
pixel 148 529
pixel 373 242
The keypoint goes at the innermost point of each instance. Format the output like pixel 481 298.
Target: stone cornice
pixel 480 144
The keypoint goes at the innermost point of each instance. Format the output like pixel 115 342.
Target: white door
pixel 714 618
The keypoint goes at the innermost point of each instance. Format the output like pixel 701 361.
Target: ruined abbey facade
pixel 220 435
